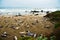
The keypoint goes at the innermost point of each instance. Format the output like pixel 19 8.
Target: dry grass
pixel 38 28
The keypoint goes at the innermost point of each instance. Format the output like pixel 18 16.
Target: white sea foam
pixel 22 11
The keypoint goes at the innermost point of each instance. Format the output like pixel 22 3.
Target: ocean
pixel 23 11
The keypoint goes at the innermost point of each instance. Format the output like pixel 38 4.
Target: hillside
pixel 55 19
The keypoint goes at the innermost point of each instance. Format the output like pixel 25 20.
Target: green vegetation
pixel 52 38
pixel 1 38
pixel 37 38
pixel 54 17
pixel 32 38
pixel 57 25
pixel 26 38
pixel 42 38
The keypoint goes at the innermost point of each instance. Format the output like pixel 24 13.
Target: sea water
pixel 22 11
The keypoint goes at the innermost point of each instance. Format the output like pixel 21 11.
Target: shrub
pixel 57 25
pixel 26 38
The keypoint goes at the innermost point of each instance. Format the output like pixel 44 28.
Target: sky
pixel 29 3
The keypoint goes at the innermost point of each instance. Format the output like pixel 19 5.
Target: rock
pixel 22 32
pixel 17 28
pixel 23 35
pixel 33 23
pixel 35 35
pixel 1 26
pixel 4 34
pixel 5 21
pixel 47 26
pixel 36 20
pixel 27 26
pixel 21 21
pixel 15 38
pixel 29 33
pixel 36 14
pixel 13 27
